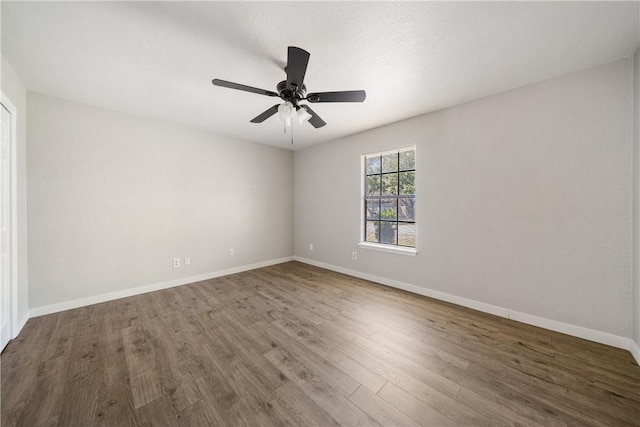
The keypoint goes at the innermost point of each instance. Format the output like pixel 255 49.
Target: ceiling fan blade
pixel 297 61
pixel 238 86
pixel 315 119
pixel 343 96
pixel 265 115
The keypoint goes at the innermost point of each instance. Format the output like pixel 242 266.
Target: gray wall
pixel 113 198
pixel 523 200
pixel 14 89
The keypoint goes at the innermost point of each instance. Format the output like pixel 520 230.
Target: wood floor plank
pixel 140 356
pixel 225 404
pixel 184 395
pixel 79 406
pixel 338 379
pixel 314 386
pixel 558 400
pixel 394 362
pixel 363 375
pixel 114 405
pixel 419 351
pixel 492 406
pixel 168 360
pixel 20 363
pixel 437 401
pixel 61 340
pixel 300 368
pixel 294 344
pixel 378 409
pixel 261 403
pixel 48 394
pixel 197 415
pixel 414 408
pixel 264 373
pixel 301 408
pixel 307 333
pixel 244 334
pixel 159 412
pixel 138 349
pixel 145 387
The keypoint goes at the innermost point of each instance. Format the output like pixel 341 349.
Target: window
pixel 389 216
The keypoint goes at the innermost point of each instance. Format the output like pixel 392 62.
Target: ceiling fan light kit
pixel 285 112
pixel 292 91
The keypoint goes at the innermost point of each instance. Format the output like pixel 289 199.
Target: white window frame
pixel 402 250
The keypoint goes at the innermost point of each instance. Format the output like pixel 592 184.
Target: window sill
pixel 388 248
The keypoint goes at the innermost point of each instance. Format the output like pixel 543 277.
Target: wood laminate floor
pixel 297 345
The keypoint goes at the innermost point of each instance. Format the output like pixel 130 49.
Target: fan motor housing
pixel 292 94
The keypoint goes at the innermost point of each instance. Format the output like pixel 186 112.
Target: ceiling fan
pixel 292 91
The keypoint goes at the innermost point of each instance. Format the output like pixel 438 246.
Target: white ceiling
pixel 157 59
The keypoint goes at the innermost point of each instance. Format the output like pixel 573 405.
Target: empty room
pixel 320 213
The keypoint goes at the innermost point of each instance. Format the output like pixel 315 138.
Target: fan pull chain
pixel 285 130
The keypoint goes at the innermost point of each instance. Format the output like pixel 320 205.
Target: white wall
pixel 636 206
pixel 15 90
pixel 523 201
pixel 113 198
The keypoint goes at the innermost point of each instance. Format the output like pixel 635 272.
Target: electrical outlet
pixel 232 251
pixel 310 246
pixel 187 261
pixel 176 262
pixel 354 255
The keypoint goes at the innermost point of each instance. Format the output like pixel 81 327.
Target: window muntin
pixel 389 198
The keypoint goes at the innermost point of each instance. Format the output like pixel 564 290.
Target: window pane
pixel 371 232
pixel 373 185
pixel 373 208
pixel 407 182
pixel 407 160
pixel 390 184
pixel 407 235
pixel 388 209
pixel 406 209
pixel 373 165
pixel 390 162
pixel 388 232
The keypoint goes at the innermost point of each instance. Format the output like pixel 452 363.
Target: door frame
pixel 13 209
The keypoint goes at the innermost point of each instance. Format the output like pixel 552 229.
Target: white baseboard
pixel 21 324
pixel 635 351
pixel 18 328
pixel 82 302
pixel 553 325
